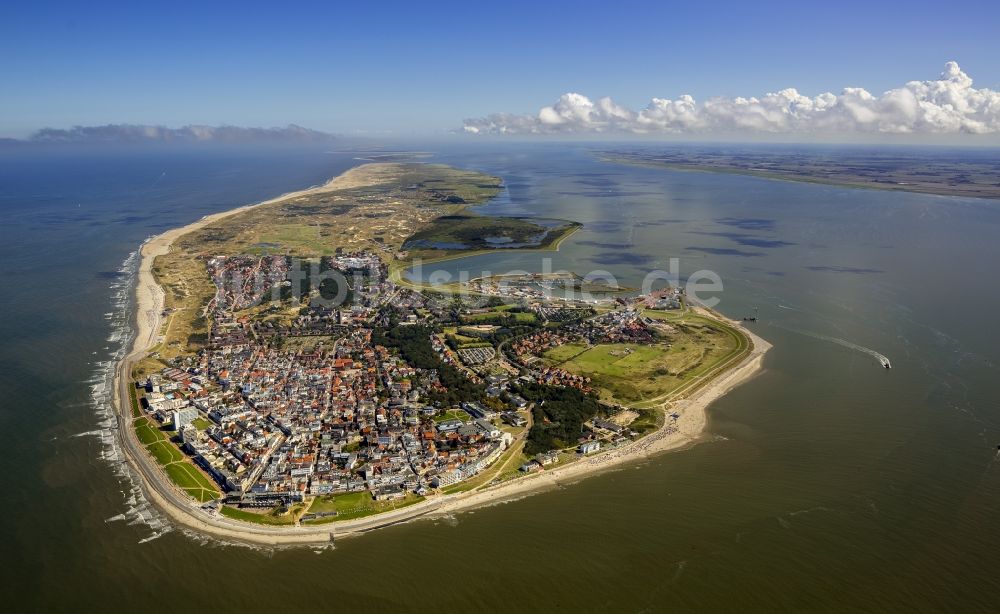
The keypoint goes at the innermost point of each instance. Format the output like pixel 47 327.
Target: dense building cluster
pixel 343 413
pixel 322 377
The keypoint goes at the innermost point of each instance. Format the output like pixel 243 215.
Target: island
pixel 290 384
pixel 967 173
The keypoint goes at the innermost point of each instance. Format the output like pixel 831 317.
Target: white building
pixel 589 447
pixel 184 417
pixel 488 429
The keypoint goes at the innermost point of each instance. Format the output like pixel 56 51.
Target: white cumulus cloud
pixel 947 105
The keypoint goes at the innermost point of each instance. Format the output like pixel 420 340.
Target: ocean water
pixel 825 484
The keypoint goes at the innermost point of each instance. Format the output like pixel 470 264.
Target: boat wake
pixel 880 357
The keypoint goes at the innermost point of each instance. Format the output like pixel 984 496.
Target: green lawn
pixel 368 506
pixel 296 237
pixel 453 414
pixel 186 475
pixel 356 505
pixel 466 342
pixel 164 452
pixel 136 411
pixel 178 468
pixel 562 353
pixel 147 433
pixel 471 231
pixel 648 420
pixel 201 423
pixel 672 315
pixel 202 495
pixel 352 500
pixel 263 517
pixel 323 503
pixel 502 466
pixel 631 373
pixel 191 481
pixel 521 317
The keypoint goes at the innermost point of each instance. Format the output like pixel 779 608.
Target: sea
pixel 825 484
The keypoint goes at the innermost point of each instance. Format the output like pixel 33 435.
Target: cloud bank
pixel 131 133
pixel 948 105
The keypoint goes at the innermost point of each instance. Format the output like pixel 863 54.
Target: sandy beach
pixel 149 295
pixel 674 435
pixel 687 429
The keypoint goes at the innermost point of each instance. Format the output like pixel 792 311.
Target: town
pixel 324 378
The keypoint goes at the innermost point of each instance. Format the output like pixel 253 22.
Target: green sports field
pixel 356 505
pixel 178 467
pixel 632 373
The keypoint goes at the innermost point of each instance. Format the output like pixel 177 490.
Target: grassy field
pixel 134 400
pixel 307 342
pixel 521 317
pixel 164 452
pixel 390 203
pixel 453 414
pixel 201 423
pixel 563 353
pixel 466 342
pixel 463 235
pixel 509 461
pixel 191 480
pixel 648 420
pixel 177 466
pixel 470 231
pixel 263 517
pixel 297 237
pixel 323 503
pixel 631 373
pixel 355 505
pixel 147 432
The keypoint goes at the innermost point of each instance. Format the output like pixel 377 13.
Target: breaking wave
pixel 138 511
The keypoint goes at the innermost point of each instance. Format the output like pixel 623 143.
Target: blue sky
pixel 413 68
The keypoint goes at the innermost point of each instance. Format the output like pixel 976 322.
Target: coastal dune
pixel 686 430
pixel 149 295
